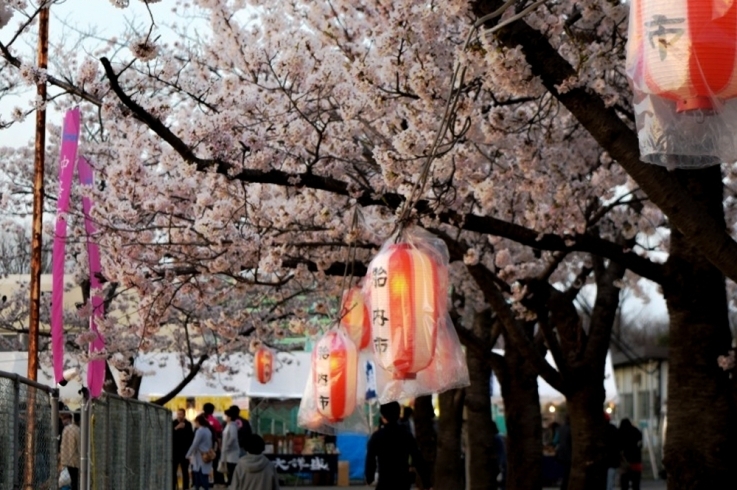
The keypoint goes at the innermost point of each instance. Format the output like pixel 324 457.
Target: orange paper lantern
pixel 408 293
pixel 684 50
pixel 355 318
pixel 263 364
pixel 335 368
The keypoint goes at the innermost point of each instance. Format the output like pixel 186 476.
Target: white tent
pixel 231 376
pixel 548 394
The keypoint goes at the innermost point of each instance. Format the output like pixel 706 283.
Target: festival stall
pixel 271 407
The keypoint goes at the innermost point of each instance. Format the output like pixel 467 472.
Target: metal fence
pixel 130 445
pixel 28 434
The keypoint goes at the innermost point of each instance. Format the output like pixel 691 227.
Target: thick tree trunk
pixel 702 421
pixel 524 423
pixel 449 468
pixel 427 440
pixel 586 411
pixel 482 458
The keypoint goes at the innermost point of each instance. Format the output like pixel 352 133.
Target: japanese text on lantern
pixel 661 28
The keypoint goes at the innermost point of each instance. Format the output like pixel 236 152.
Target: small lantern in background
pixel 682 62
pixel 407 289
pixel 355 318
pixel 335 368
pixel 263 361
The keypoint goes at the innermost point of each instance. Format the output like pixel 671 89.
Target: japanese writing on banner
pixel 295 463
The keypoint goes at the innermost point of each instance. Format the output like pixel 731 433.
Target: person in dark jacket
pixel 630 439
pixel 500 449
pixel 612 456
pixel 564 451
pixel 244 426
pixel 254 471
pixel 391 447
pixel 182 437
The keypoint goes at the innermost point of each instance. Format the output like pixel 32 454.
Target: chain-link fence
pixel 28 434
pixel 130 445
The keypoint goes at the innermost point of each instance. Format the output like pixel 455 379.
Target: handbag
pixel 223 467
pixel 209 456
pixel 65 479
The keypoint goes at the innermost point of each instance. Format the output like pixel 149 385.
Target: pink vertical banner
pixel 67 159
pixel 96 367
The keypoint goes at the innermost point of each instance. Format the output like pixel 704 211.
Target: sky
pixel 67 17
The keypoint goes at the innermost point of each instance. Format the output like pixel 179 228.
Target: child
pixel 254 471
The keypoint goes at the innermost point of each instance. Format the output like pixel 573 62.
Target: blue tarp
pixel 352 448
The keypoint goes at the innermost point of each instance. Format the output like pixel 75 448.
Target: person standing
pixel 231 451
pixel 500 449
pixel 564 451
pixel 217 430
pixel 630 439
pixel 613 454
pixel 181 440
pixel 244 427
pixel 201 444
pixel 70 445
pixel 391 447
pixel 254 471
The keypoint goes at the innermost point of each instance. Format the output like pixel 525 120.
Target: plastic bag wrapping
pixel 448 370
pixel 683 70
pixel 334 398
pixel 354 318
pixel 407 289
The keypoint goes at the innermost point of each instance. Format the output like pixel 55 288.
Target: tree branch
pixel 486 281
pixel 194 369
pixel 607 128
pixel 471 222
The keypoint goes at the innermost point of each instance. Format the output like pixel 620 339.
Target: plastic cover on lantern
pixel 448 370
pixel 355 317
pixel 311 417
pixel 682 65
pixel 407 291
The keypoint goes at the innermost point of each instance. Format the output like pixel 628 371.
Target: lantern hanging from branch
pixel 355 318
pixel 263 364
pixel 682 62
pixel 407 286
pixel 335 368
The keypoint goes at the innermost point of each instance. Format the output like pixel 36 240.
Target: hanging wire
pixel 449 114
pixel 349 270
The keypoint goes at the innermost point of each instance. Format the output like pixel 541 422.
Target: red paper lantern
pixel 263 362
pixel 685 50
pixel 355 318
pixel 408 293
pixel 335 368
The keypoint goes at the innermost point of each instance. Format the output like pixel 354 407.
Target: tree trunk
pixel 425 432
pixel 586 412
pixel 702 420
pixel 524 423
pixel 449 468
pixel 482 458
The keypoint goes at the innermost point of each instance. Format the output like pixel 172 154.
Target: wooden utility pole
pixel 38 195
pixel 29 480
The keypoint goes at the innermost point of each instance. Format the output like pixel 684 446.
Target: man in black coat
pixel 613 452
pixel 630 439
pixel 181 439
pixel 392 446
